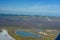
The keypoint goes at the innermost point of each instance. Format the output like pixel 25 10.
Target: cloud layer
pixel 35 8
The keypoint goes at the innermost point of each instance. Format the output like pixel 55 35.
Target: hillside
pixel 29 21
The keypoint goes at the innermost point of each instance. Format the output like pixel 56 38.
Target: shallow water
pixel 27 34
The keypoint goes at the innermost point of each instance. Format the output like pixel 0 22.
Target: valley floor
pixel 46 35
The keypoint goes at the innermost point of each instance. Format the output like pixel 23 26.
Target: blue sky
pixel 30 6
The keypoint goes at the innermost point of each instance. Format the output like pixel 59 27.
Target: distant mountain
pixel 29 21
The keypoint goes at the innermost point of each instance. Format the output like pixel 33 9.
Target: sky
pixel 44 7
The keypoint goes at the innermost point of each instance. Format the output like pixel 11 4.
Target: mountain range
pixel 29 21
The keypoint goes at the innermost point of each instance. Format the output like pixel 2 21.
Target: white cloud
pixel 36 8
pixel 45 8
